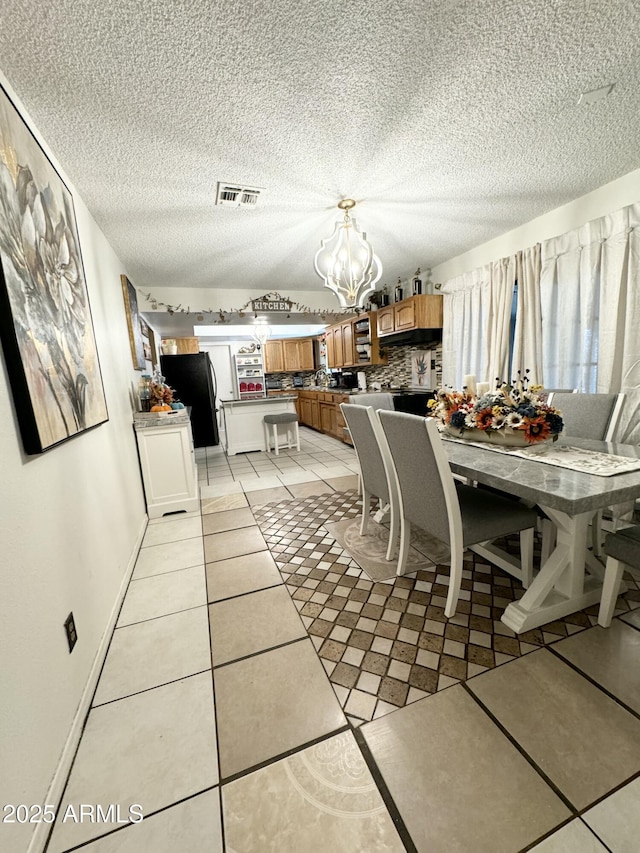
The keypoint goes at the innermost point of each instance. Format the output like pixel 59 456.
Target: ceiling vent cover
pixel 236 195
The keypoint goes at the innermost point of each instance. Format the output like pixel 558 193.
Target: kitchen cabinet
pixel 416 312
pixel 167 462
pixel 341 425
pixel 347 344
pixel 273 357
pixel 187 345
pixel 353 342
pixel 298 354
pixel 335 352
pixel 289 355
pixel 320 410
pixel 315 413
pixel 327 417
pixel 385 320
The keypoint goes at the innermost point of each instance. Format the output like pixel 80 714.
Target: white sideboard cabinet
pixel 167 461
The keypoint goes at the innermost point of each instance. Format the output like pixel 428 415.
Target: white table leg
pixel 562 585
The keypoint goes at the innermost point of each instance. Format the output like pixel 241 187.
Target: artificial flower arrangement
pixel 514 408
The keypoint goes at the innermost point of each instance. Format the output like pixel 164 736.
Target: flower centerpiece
pixel 513 414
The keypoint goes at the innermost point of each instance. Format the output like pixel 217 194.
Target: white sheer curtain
pixel 527 344
pixel 570 307
pixel 590 297
pixel 619 339
pixel 503 278
pixel 464 339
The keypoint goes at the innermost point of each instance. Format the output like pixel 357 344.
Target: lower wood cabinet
pixel 321 410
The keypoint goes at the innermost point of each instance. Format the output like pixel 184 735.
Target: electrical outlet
pixel 70 628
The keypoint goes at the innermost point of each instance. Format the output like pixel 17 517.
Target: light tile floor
pixel 261 694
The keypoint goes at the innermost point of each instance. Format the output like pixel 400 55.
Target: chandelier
pixel 346 261
pixel 261 331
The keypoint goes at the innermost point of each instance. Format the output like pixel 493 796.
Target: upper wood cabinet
pixel 347 344
pixel 335 352
pixel 187 345
pixel 353 342
pixel 273 357
pixel 416 312
pixel 289 355
pixel 298 354
pixel 385 320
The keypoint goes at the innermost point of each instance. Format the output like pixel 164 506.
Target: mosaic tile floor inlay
pixel 386 644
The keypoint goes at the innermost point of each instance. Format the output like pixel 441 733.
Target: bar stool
pixel 290 419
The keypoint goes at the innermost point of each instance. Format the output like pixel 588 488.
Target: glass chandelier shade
pixel 261 333
pixel 346 261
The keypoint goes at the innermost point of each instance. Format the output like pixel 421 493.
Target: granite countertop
pixel 276 398
pixel 147 420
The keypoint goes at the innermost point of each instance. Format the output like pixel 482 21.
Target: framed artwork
pixel 421 369
pixel 45 320
pixel 154 348
pixel 133 322
pixel 147 350
pixel 144 329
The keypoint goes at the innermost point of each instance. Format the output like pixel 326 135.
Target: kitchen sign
pixel 264 304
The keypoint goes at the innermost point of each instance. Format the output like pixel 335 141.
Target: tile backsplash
pixel 396 372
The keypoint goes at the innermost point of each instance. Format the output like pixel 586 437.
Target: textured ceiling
pixel 449 122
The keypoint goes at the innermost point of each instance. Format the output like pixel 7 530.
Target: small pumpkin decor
pixel 160 393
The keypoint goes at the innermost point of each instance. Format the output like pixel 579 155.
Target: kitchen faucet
pixel 321 378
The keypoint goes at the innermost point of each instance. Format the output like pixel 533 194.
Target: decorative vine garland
pixel 223 316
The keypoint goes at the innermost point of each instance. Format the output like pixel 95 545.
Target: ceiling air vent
pixel 235 195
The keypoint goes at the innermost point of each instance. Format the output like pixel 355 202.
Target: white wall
pixel 70 524
pixel 606 199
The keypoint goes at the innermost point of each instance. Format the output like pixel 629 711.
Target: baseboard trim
pixel 40 837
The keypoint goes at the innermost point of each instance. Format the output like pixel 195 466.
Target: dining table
pixel 571 576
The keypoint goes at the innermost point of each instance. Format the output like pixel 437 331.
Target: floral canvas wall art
pixel 45 320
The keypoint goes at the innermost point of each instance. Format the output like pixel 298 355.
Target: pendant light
pixel 346 261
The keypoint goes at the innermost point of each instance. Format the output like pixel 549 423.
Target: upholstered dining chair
pixel 622 548
pixel 457 514
pixel 377 400
pixel 375 466
pixel 592 416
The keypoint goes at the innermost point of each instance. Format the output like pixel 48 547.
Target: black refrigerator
pixel 193 380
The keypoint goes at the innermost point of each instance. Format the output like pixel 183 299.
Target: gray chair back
pixel 592 416
pixel 365 443
pixel 381 400
pixel 419 476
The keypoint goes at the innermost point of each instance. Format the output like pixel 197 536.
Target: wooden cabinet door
pixel 338 352
pixel 405 315
pixel 306 416
pixel 290 351
pixel 305 354
pixel 187 345
pixel 385 320
pixel 315 413
pixel 327 417
pixel 432 311
pixel 347 344
pixel 273 360
pixel 329 343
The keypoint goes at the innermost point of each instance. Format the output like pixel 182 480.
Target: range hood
pixel 414 337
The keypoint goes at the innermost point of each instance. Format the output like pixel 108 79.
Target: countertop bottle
pixel 144 392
